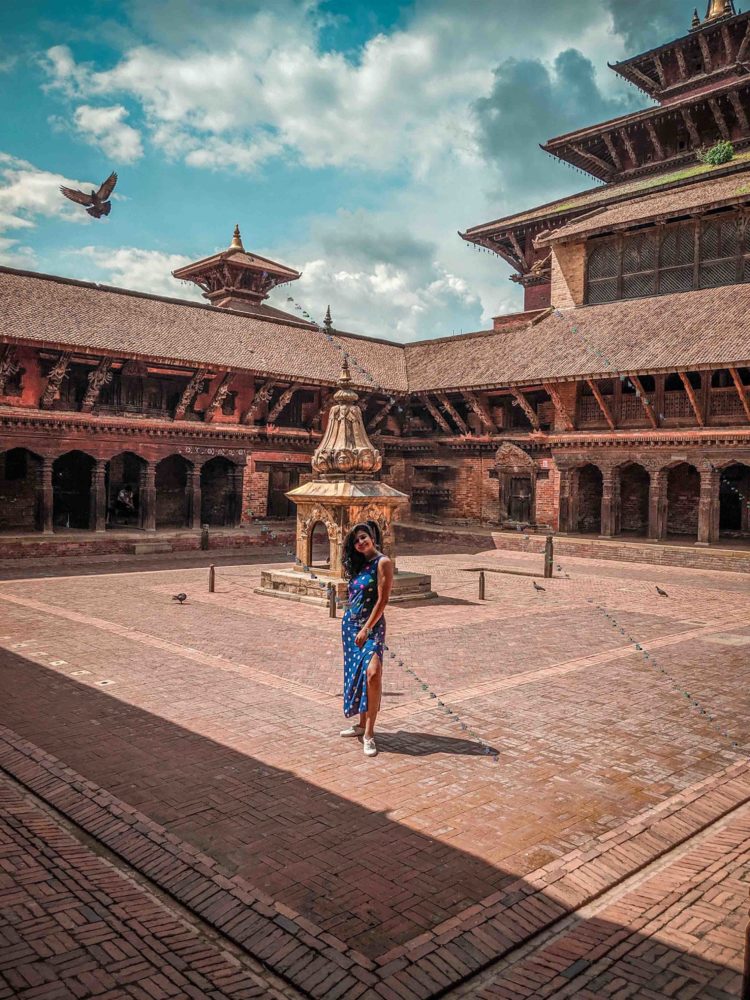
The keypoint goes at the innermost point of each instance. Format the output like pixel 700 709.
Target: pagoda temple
pixel 615 408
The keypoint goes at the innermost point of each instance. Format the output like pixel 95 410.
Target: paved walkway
pixel 212 727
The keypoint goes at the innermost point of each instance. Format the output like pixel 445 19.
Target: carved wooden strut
pixel 97 379
pixel 8 366
pixel 189 393
pixel 220 395
pixel 55 379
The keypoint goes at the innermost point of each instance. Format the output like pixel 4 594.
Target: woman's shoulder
pixel 384 561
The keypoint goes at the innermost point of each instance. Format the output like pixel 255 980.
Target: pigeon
pixel 181 598
pixel 661 593
pixel 536 586
pixel 97 203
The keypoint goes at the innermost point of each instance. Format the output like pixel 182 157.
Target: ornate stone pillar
pixel 45 494
pixel 147 493
pixel 708 506
pixel 657 505
pixel 608 516
pixel 98 508
pixel 194 495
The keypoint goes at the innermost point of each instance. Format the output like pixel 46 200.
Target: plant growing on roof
pixel 720 152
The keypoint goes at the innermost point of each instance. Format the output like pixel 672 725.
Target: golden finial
pixel 696 22
pixel 236 243
pixel 718 8
pixel 345 378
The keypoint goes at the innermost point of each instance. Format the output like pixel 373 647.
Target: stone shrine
pixel 342 493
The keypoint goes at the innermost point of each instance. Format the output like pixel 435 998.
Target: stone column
pixel 45 495
pixel 98 516
pixel 147 495
pixel 238 482
pixel 708 506
pixel 566 501
pixel 194 496
pixel 657 505
pixel 608 503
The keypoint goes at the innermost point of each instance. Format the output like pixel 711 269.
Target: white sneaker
pixel 354 730
pixel 369 747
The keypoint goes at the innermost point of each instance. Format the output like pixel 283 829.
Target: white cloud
pixel 141 270
pixel 106 128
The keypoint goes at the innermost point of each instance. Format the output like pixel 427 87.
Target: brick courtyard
pixel 200 745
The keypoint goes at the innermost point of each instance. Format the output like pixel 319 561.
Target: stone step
pixel 147 548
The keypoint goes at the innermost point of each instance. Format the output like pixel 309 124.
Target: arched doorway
pixel 683 495
pixel 734 497
pixel 71 490
pixel 19 479
pixel 634 494
pixel 171 492
pixel 125 474
pixel 218 499
pixel 589 518
pixel 320 547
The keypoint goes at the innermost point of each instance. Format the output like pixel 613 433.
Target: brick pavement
pixel 231 746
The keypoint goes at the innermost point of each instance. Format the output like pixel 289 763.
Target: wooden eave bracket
pixel 741 391
pixel 481 410
pixel 451 410
pixel 693 399
pixel 647 405
pixel 562 411
pixel 526 407
pixel 436 415
pixel 602 403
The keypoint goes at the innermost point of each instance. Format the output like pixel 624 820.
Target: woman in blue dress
pixel 370 576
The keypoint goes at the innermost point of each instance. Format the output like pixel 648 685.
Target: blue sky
pixel 350 140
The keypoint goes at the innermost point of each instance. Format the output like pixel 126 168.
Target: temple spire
pixel 328 322
pixel 236 243
pixel 716 10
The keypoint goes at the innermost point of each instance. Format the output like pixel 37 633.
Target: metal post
pixel 549 557
pixel 204 536
pixel 481 585
pixel 211 579
pixel 331 600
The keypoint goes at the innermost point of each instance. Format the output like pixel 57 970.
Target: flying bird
pixel 661 593
pixel 181 598
pixel 98 203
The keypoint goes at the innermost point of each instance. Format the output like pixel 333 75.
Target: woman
pixel 370 576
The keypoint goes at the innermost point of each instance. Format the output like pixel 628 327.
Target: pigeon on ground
pixel 97 203
pixel 537 587
pixel 181 598
pixel 661 593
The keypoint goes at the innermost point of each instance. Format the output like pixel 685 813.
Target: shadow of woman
pixel 425 744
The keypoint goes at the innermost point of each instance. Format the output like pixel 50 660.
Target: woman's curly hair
pixel 353 561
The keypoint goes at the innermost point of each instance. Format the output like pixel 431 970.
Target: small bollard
pixel 549 557
pixel 211 579
pixel 481 585
pixel 331 600
pixel 204 536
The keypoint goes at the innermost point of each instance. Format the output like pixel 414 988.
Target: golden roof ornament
pixel 346 452
pixel 236 243
pixel 696 22
pixel 718 9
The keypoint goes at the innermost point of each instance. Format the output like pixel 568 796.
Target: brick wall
pixel 171 496
pixel 254 495
pixel 17 494
pixel 537 296
pixel 683 491
pixel 568 275
pixel 546 507
pixel 634 487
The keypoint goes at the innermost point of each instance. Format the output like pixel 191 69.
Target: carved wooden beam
pixel 527 408
pixel 189 393
pixel 481 409
pixel 97 379
pixel 703 42
pixel 261 397
pixel 381 414
pixel 8 366
pixel 436 415
pixel 739 110
pixel 742 51
pixel 562 410
pixel 281 404
pixel 660 70
pixel 646 80
pixel 682 63
pixel 219 396
pixel 719 118
pixel 647 405
pixel 613 151
pixel 602 403
pixel 592 158
pixel 693 399
pixel 517 247
pixel 655 140
pixel 55 380
pixel 741 391
pixel 727 39
pixel 452 412
pixel 690 126
pixel 623 133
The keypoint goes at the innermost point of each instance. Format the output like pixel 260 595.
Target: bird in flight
pixel 97 203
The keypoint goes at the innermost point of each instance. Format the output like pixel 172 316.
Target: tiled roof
pixel 718 191
pixel 687 330
pixel 82 315
pixel 606 194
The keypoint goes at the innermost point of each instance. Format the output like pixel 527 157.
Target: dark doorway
pixel 171 492
pixel 124 475
pixel 589 500
pixel 19 476
pixel 280 481
pixel 320 547
pixel 71 486
pixel 218 506
pixel 683 495
pixel 734 497
pixel 634 491
pixel 519 499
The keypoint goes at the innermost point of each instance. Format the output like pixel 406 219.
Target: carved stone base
pixel 294 585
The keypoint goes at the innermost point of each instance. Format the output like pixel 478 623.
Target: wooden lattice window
pixel 603 273
pixel 677 259
pixel 720 243
pixel 638 266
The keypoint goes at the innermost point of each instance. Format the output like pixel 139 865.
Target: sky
pixel 349 140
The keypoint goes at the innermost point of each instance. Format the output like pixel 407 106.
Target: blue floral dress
pixel 363 596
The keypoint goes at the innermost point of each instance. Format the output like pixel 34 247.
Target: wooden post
pixel 211 579
pixel 481 585
pixel 204 536
pixel 331 600
pixel 549 557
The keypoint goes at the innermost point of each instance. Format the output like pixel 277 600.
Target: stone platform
pixel 295 585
